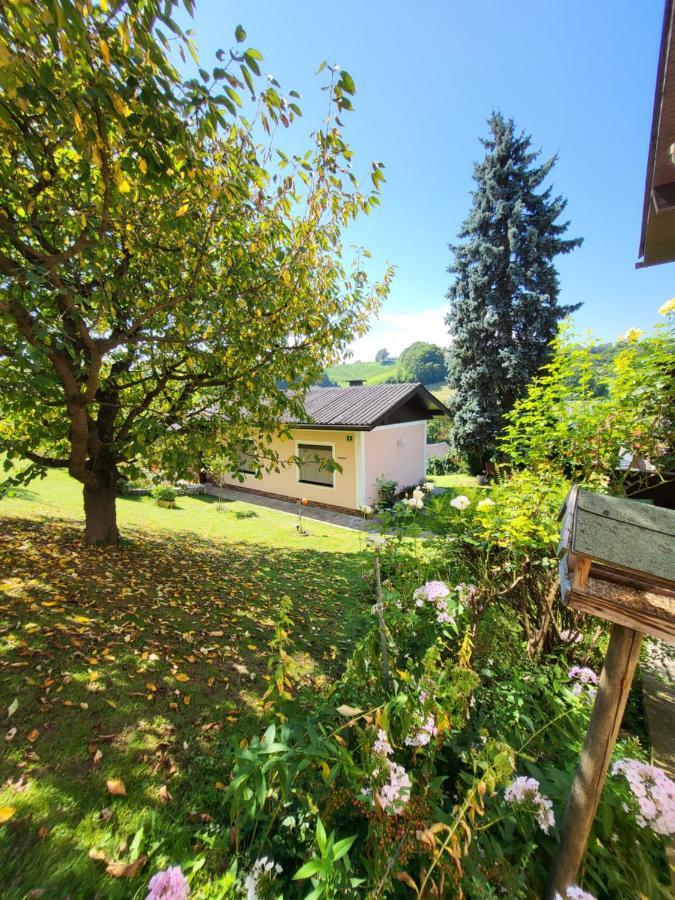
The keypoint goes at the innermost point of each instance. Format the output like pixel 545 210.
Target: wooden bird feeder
pixel 617 562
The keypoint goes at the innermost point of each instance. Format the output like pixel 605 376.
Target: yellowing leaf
pixel 6 813
pixel 181 676
pixel 121 106
pixel 182 210
pixel 33 735
pixel 143 166
pixel 105 51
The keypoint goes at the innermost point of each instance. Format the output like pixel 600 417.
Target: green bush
pixel 165 493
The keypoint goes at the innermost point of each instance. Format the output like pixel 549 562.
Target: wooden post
pixel 613 689
pixel 379 607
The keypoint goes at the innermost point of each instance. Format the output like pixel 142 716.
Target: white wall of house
pixel 396 452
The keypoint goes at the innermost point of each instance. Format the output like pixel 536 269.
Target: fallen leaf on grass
pixel 12 708
pixel 164 794
pixel 6 813
pixel 199 817
pixel 127 870
pixel 116 788
pixel 10 734
pixel 98 855
pixel 42 833
pixel 348 711
pixel 105 815
pixel 33 735
pixel 181 676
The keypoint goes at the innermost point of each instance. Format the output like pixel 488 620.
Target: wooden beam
pixel 610 702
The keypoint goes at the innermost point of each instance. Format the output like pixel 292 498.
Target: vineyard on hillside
pixel 368 372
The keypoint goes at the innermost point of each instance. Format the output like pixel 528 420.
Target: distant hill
pixel 368 372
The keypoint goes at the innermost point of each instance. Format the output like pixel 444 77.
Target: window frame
pixel 298 470
pixel 249 442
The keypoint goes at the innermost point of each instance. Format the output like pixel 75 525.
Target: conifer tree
pixel 504 306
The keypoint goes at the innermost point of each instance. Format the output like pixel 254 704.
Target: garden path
pixel 330 516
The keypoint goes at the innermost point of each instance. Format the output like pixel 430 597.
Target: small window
pixel 312 466
pixel 247 461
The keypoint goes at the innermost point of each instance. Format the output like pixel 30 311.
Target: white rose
pixel 460 502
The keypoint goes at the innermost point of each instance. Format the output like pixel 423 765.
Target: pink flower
pixel 170 884
pixel 395 793
pixel 382 744
pixel 525 792
pixel 654 792
pixel 585 679
pixel 426 731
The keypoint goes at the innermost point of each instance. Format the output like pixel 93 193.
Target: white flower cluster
pixel 585 681
pixel 654 792
pixel 382 744
pixel 366 510
pixel 436 592
pixel 416 501
pixel 426 731
pixel 460 502
pixel 262 868
pixel 395 793
pixel 525 791
pixel 574 892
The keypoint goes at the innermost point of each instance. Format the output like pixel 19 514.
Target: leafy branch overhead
pixel 159 276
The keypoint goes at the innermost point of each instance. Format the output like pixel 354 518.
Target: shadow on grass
pixel 136 663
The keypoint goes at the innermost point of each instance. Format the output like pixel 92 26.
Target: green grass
pixel 455 481
pixel 137 663
pixel 369 372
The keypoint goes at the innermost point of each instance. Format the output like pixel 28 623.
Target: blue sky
pixel 578 75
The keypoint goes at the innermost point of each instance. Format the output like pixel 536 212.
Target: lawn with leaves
pixel 122 672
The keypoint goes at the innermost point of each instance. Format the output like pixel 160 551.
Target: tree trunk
pixel 101 516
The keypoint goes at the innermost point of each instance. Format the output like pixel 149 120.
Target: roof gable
pixel 364 407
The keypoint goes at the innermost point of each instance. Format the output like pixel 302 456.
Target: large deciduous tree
pixel 163 267
pixel 504 307
pixel 422 361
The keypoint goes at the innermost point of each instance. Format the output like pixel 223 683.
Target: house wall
pixel 285 483
pixel 396 452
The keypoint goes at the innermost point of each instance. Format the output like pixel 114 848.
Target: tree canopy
pixel 504 306
pixel 382 356
pixel 422 362
pixel 164 266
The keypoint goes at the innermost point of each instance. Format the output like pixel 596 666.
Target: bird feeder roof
pixel 618 561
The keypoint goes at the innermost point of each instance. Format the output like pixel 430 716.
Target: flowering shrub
pixel 654 792
pixel 525 792
pixel 574 892
pixel 169 884
pixel 261 877
pixel 585 681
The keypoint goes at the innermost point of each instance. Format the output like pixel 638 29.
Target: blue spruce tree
pixel 504 306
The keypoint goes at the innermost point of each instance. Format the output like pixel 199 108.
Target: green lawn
pixel 456 481
pixel 136 663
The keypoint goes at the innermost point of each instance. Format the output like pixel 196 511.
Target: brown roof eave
pixel 656 117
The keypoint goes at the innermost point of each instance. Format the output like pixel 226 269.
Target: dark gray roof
pixel 442 448
pixel 364 407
